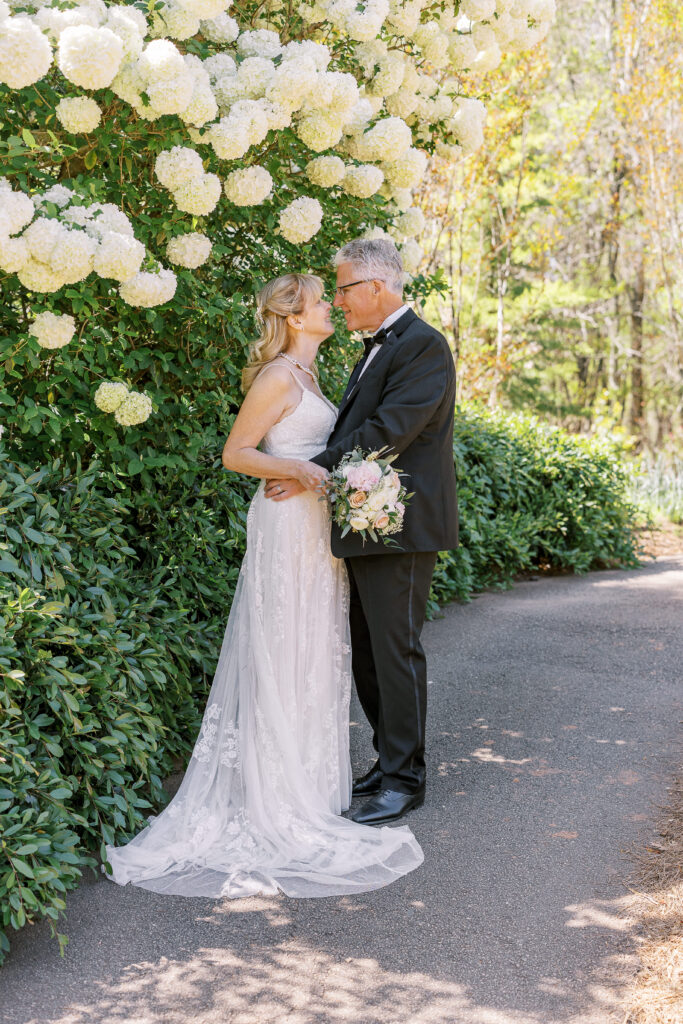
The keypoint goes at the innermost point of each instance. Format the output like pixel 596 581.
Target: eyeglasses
pixel 340 290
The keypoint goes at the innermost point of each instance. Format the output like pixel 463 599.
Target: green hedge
pixel 114 592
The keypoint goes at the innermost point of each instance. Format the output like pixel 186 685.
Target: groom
pixel 400 394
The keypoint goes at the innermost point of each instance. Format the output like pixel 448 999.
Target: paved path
pixel 554 712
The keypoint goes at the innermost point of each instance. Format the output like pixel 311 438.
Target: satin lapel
pixel 377 361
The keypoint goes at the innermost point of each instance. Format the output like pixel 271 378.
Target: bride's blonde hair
pixel 280 298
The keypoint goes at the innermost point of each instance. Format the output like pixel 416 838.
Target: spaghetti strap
pixel 286 368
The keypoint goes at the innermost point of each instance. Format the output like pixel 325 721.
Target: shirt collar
pixel 393 317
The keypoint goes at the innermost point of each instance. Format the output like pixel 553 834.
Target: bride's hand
pixel 312 476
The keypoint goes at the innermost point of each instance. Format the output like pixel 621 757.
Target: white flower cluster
pixel 248 186
pixel 301 220
pixel 181 171
pixel 129 407
pixel 149 288
pixel 190 250
pixel 52 330
pixel 48 252
pixel 78 114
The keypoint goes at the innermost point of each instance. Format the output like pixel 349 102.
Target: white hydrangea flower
pixel 118 256
pixel 467 124
pixel 229 138
pixel 311 13
pixel 359 116
pixel 387 140
pixel 363 181
pixel 134 409
pixel 254 75
pixel 172 95
pixel 377 232
pixel 404 17
pixel 366 24
pixel 57 194
pixel 73 256
pixel 259 43
pixel 39 277
pixel 13 253
pixel 52 330
pixel 148 289
pixel 25 53
pixel 202 107
pixel 292 82
pixel 389 77
pixel 408 171
pixel 335 93
pixel 402 198
pixel 199 196
pixel 126 26
pixel 110 395
pixel 462 51
pixel 101 218
pixel 42 236
pixel 370 55
pixel 129 84
pixel 206 9
pixel 175 21
pixel 301 220
pixel 277 116
pixel 175 167
pixel 402 104
pixel 54 21
pixel 488 59
pixel 478 10
pixel 326 171
pixel 318 52
pixel 319 131
pixel 78 114
pixel 221 29
pixel 89 57
pixel 411 223
pixel 159 60
pixel 190 250
pixel 220 64
pixel 16 211
pixel 251 115
pixel 248 186
pixel 411 256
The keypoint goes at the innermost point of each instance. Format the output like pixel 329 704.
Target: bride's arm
pixel 271 396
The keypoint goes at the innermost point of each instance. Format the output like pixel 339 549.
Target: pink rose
pixel 364 476
pixel 357 499
pixel 382 521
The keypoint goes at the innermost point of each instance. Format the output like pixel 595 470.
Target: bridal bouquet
pixel 367 496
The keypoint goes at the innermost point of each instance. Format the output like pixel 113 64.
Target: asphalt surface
pixel 554 727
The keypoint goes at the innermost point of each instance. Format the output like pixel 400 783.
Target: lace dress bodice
pixel 303 433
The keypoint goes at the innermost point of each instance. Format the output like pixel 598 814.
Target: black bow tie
pixel 375 339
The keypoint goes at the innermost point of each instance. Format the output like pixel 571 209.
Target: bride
pixel 259 807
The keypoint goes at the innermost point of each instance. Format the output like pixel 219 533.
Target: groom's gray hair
pixel 374 258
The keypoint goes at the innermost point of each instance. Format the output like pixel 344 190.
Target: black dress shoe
pixel 386 806
pixel 369 783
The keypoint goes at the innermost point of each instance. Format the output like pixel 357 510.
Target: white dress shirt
pixel 387 323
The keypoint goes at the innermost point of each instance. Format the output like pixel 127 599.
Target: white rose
pixel 359 523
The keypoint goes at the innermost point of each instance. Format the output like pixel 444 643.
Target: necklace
pixel 301 366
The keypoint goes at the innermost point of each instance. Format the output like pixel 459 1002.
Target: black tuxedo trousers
pixel 387 612
pixel 405 400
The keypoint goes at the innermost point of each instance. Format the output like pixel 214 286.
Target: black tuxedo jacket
pixel 405 399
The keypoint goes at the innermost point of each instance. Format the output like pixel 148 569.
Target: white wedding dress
pixel 258 809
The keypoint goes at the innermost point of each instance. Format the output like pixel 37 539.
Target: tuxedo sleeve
pixel 414 391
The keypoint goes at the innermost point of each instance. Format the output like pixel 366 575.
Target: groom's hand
pixel 280 490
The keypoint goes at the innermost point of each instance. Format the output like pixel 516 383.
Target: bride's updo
pixel 280 298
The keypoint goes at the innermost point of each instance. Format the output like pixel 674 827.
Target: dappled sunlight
pixel 488 755
pixel 610 914
pixel 300 984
